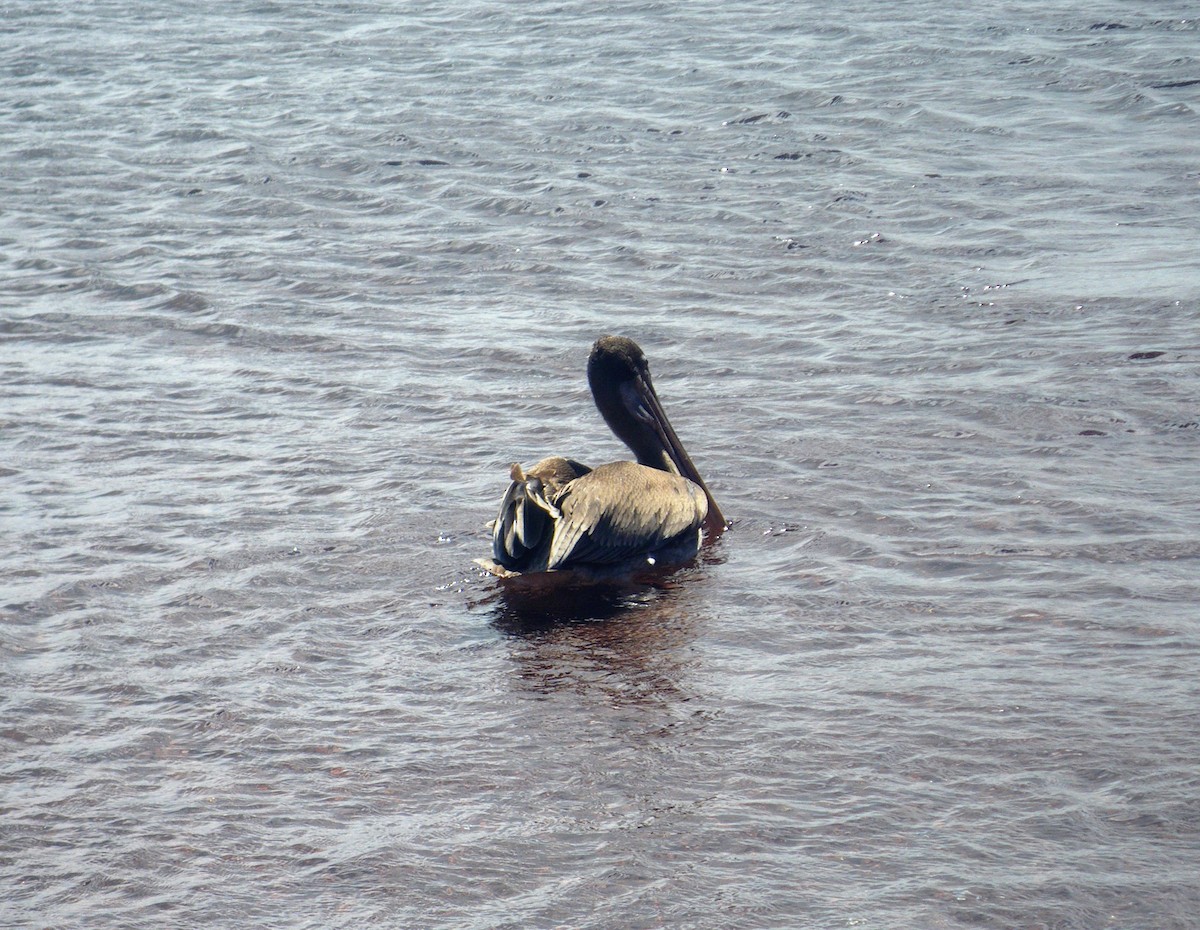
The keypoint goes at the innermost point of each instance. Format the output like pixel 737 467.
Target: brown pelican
pixel 561 515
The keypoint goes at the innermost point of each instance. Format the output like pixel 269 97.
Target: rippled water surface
pixel 285 287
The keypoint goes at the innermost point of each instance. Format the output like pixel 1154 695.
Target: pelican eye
pixel 635 403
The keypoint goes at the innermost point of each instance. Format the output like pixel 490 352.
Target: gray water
pixel 285 287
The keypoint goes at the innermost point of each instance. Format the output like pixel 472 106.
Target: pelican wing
pixel 622 510
pixel 519 527
pixel 523 528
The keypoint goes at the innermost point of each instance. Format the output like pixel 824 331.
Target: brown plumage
pixel 560 514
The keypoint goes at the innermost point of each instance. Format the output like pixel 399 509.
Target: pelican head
pixel 619 376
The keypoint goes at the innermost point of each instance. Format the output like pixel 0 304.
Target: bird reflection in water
pixel 625 640
pixel 622 644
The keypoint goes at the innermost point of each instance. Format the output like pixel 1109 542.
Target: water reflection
pixel 534 604
pixel 540 607
pixel 626 642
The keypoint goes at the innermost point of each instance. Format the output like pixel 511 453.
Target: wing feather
pixel 622 510
pixel 523 528
pixel 519 527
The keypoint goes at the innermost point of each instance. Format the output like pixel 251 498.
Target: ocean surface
pixel 286 287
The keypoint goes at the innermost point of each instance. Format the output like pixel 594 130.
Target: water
pixel 286 287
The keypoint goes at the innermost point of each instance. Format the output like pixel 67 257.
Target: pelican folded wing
pixel 623 510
